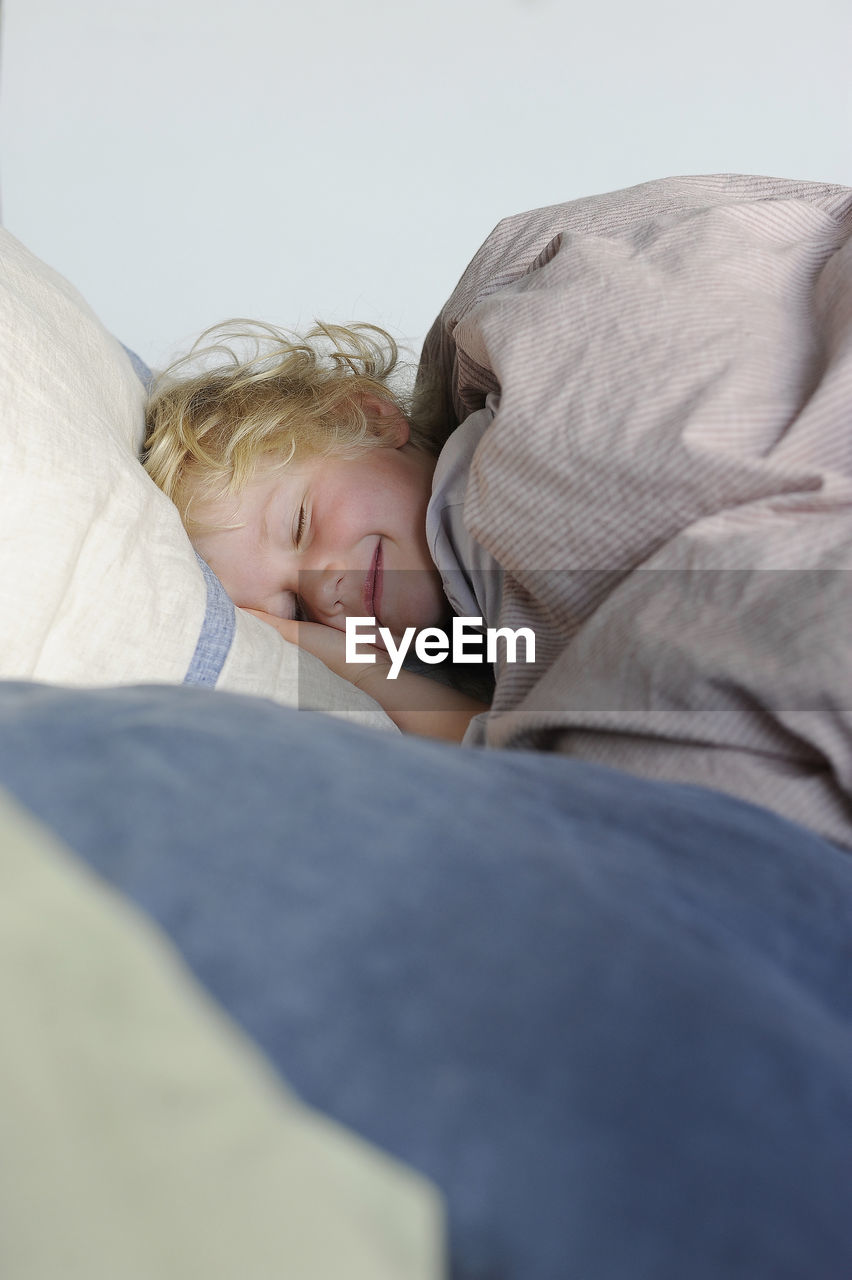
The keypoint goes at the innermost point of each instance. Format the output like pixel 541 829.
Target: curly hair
pixel 248 392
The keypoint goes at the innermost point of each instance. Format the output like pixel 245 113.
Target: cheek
pixel 286 606
pixel 346 515
pixel 234 571
pixel 233 583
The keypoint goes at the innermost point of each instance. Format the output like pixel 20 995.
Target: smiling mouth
pixel 373 584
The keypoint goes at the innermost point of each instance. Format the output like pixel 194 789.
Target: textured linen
pixel 667 481
pixel 99 583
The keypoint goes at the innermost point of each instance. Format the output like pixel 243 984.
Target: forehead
pixel 234 511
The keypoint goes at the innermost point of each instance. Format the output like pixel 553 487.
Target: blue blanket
pixel 612 1019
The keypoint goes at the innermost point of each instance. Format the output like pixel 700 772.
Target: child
pixel 644 397
pixel 306 486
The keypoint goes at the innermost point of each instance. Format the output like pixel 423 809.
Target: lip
pixel 373 584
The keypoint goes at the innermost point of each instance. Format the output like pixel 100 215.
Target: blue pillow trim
pixel 140 368
pixel 216 635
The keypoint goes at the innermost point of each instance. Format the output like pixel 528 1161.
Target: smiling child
pixel 306 484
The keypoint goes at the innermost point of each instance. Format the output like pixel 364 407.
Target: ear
pixel 395 428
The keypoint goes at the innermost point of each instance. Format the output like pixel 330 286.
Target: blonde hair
pixel 249 392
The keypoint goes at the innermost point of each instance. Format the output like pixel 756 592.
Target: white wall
pixel 183 162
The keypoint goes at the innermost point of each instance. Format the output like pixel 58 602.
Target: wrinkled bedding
pixel 667 482
pixel 610 1019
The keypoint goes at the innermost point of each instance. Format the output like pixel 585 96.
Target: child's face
pixel 343 537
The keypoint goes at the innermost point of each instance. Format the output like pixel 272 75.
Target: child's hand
pixel 415 703
pixel 326 643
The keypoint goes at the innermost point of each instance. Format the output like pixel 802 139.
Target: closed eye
pixel 301 523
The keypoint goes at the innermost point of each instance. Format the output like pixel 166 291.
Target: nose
pixel 321 592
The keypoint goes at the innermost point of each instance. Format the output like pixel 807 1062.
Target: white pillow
pixel 99 583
